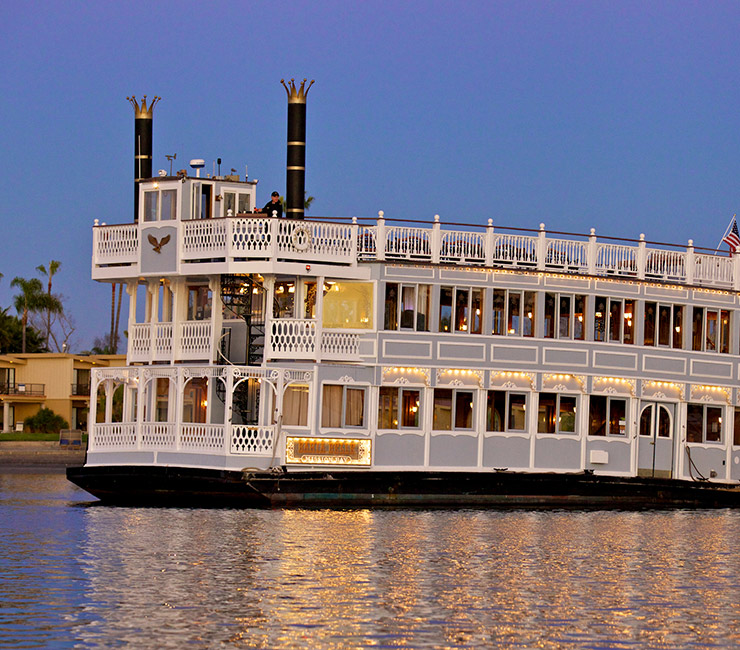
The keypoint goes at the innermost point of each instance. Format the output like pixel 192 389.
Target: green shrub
pixel 45 421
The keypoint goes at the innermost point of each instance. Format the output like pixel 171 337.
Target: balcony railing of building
pixel 30 390
pixel 80 389
pixel 246 238
pixel 155 341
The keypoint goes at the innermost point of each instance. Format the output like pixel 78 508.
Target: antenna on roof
pixel 171 158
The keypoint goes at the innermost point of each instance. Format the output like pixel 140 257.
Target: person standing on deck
pixel 273 206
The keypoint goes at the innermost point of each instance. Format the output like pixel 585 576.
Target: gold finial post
pixel 142 111
pixel 296 95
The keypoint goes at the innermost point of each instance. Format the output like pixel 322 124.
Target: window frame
pixel 491 392
pixel 609 399
pixel 558 411
pixel 393 309
pixel 343 415
pixel 705 409
pixel 509 329
pixel 456 393
pixel 399 405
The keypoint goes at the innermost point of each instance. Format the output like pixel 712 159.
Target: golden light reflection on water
pixel 392 579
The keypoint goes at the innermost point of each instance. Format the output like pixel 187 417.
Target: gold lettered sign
pixel 327 451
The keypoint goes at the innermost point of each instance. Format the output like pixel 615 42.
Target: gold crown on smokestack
pixel 143 111
pixel 296 96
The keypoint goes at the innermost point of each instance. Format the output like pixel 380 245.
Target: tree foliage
pixel 11 335
pixel 31 299
pixel 45 421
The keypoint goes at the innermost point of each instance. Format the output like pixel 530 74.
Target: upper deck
pixel 249 243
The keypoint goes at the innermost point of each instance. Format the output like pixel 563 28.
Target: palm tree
pixel 32 299
pixel 50 272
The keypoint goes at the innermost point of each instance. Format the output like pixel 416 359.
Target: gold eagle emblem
pixel 157 244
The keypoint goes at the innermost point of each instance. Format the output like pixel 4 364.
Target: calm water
pixel 74 574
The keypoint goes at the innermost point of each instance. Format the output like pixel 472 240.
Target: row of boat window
pixel 454 409
pixel 565 316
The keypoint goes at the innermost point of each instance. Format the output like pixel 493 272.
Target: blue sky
pixel 618 116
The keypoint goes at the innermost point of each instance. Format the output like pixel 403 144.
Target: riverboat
pixel 354 362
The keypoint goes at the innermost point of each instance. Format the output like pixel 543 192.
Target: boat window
pixel 476 311
pixel 168 205
pixel 629 320
pixel 412 302
pixel 579 312
pixel 600 319
pixel 550 317
pixel 499 311
pixel 564 317
pixel 711 342
pixel 283 305
pixel 615 320
pixel 195 400
pixel 348 305
pixel 556 413
pixel 607 416
pixel 724 332
pixel 513 312
pixel 151 203
pixel 453 409
pixel 309 299
pixel 342 406
pixel 736 439
pixel 295 405
pixel 391 306
pixel 703 423
pixel 235 203
pixel 390 416
pixel 468 310
pixel 697 333
pixel 648 335
pixel 199 303
pixel 445 309
pixel 506 411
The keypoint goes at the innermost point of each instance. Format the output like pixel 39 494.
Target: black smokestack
pixel 142 144
pixel 296 167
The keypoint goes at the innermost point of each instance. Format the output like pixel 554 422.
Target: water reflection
pixel 84 576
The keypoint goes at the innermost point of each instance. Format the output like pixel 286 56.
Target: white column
pixel 217 315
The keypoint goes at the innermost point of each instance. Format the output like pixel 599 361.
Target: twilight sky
pixel 621 116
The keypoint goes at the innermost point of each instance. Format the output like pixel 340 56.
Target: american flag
pixel 732 238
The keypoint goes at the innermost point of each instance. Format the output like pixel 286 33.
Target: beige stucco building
pixel 58 381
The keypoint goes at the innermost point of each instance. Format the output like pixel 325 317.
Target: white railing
pixel 616 258
pixel 292 338
pixel 116 244
pixel 194 338
pixel 162 341
pixel 204 238
pixel 140 342
pixel 666 264
pixel 119 435
pixel 158 435
pixel 566 254
pixel 515 249
pixel 259 238
pixel 340 346
pixel 713 270
pixel 463 246
pixel 253 440
pixel 408 243
pixel 250 238
pixel 202 437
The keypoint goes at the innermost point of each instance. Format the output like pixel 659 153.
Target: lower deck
pixel 393 419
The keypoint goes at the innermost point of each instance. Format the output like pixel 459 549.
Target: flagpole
pixel 724 234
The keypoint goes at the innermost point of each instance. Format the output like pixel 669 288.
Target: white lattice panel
pixel 162 341
pixel 407 243
pixel 666 264
pixel 252 440
pixel 713 270
pixel 204 238
pixel 566 253
pixel 139 342
pixel 250 236
pixel 293 338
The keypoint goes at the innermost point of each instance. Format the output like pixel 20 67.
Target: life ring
pixel 301 238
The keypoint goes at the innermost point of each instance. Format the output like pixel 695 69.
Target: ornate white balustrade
pixel 155 341
pixel 294 338
pixel 236 239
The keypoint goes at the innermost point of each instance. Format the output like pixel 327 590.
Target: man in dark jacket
pixel 273 205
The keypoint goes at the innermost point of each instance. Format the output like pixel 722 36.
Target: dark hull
pixel 179 486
